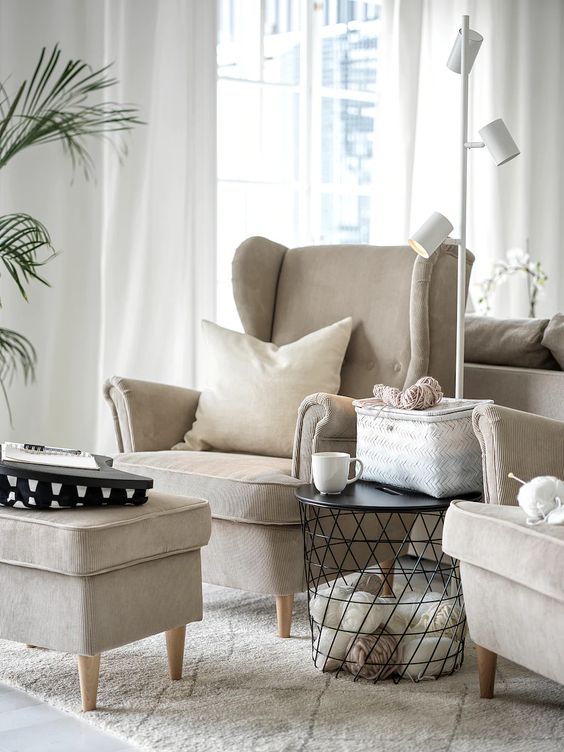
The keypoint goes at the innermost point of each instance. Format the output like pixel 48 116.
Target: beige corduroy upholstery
pixel 245 487
pixel 513 593
pixel 84 581
pixel 531 390
pixel 403 310
pixel 517 442
pixel 399 302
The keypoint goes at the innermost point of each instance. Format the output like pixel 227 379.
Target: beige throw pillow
pixel 507 342
pixel 254 388
pixel 554 338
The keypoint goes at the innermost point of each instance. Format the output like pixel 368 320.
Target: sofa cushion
pixel 92 540
pixel 253 389
pixel 498 539
pixel 241 487
pixel 553 338
pixel 507 342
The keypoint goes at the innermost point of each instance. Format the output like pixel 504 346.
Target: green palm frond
pixel 25 246
pixel 22 238
pixel 17 354
pixel 54 105
pixel 61 102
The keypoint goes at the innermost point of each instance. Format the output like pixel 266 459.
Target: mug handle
pixel 357 476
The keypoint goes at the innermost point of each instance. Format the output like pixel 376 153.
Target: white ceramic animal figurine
pixel 542 499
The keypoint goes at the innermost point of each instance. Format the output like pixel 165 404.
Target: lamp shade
pixel 454 61
pixel 430 235
pixel 499 141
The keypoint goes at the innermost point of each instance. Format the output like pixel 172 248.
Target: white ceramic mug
pixel 331 471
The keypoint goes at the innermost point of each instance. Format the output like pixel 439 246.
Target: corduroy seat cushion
pixel 88 541
pixel 240 487
pixel 497 538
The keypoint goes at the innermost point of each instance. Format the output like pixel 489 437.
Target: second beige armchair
pixel 518 442
pixel 403 310
pixel 511 571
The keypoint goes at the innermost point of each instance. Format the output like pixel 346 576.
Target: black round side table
pixel 384 600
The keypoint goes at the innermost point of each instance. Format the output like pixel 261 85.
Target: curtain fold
pixel 137 272
pixel 519 76
pixel 158 250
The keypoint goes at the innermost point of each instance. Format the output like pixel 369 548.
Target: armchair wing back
pixel 397 300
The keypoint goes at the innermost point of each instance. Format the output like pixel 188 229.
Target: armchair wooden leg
pixel 88 673
pixel 486 670
pixel 387 569
pixel 175 639
pixel 284 604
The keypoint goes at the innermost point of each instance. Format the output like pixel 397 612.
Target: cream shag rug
pixel 246 689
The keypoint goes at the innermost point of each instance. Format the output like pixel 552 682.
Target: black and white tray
pixel 43 486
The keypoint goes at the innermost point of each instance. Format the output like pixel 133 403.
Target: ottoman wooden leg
pixel 88 673
pixel 175 639
pixel 284 605
pixel 486 669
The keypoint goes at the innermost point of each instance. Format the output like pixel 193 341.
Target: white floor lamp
pixel 437 227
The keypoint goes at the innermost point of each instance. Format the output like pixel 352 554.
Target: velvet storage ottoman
pixel 513 587
pixel 86 580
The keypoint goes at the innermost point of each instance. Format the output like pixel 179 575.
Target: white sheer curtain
pixel 519 76
pixel 137 272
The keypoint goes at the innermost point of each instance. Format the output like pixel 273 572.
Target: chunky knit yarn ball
pixel 363 613
pixel 326 608
pixel 370 582
pixel 373 656
pixel 330 648
pixel 429 657
pixel 425 393
pixel 446 618
pixel 539 497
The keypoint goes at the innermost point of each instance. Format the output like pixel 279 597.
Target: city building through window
pixel 297 103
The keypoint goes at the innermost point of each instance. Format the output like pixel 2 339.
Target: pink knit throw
pixel 372 656
pixel 425 393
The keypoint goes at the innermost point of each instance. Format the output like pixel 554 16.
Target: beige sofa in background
pixel 516 363
pixel 403 310
pixel 532 390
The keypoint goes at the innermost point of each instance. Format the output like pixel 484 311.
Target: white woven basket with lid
pixel 433 451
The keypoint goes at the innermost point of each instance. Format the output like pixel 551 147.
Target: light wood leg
pixel 175 639
pixel 284 604
pixel 88 673
pixel 486 669
pixel 387 569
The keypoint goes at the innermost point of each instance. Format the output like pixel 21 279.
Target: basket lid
pixel 447 406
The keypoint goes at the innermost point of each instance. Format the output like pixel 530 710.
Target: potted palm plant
pixel 63 102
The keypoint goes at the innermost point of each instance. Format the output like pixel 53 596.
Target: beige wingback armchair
pixel 403 310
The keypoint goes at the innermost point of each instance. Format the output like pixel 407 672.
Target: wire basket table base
pixel 384 600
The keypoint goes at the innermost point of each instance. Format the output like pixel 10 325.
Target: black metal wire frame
pixel 337 550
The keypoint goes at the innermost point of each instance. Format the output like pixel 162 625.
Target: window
pixel 297 96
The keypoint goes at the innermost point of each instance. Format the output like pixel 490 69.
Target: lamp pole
pixel 437 227
pixel 461 281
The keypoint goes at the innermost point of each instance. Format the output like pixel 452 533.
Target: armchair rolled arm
pixel 326 423
pixel 149 416
pixel 516 442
